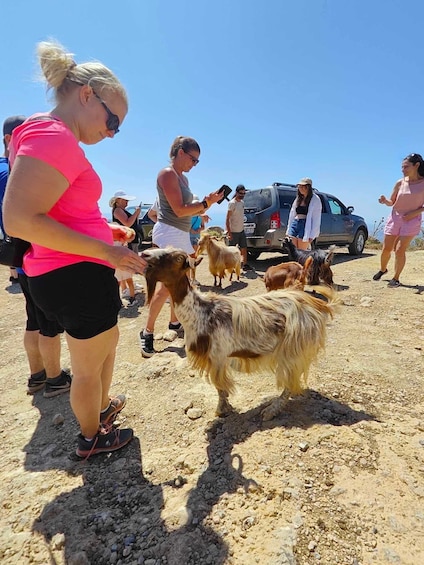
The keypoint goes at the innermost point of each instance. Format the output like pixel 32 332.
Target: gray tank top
pixel 166 214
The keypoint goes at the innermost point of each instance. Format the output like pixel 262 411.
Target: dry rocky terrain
pixel 337 479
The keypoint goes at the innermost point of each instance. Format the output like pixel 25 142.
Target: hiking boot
pixel 105 441
pixel 146 343
pixel 36 382
pixel 59 385
pixel 116 404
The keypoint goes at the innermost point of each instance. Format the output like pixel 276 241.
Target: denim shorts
pixel 297 228
pixel 82 298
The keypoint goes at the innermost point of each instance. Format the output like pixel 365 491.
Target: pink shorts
pixel 396 225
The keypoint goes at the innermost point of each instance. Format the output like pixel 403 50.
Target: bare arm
pixel 153 215
pixel 168 181
pixel 414 213
pixel 227 223
pixel 392 199
pixel 34 188
pixel 128 221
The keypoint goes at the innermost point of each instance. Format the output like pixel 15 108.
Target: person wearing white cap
pixel 118 203
pixel 304 222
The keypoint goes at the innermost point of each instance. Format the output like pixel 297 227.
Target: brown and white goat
pixel 286 275
pixel 280 332
pixel 222 258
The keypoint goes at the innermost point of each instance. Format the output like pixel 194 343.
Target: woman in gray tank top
pixel 176 208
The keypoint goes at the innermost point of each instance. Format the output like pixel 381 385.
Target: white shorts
pixel 164 236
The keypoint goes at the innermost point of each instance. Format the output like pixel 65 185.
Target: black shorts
pixel 36 320
pixel 238 238
pixel 82 298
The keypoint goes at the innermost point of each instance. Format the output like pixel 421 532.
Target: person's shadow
pixel 118 511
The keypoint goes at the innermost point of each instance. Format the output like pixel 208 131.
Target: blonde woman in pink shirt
pixel 52 201
pixel 404 221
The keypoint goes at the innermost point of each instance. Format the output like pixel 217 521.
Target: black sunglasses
pixel 112 122
pixel 194 160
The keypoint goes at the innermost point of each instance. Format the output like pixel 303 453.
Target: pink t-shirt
pixel 409 197
pixel 52 142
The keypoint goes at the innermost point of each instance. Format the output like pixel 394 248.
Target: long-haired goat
pixel 222 258
pixel 322 260
pixel 286 275
pixel 280 332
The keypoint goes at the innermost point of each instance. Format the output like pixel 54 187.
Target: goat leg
pixel 276 407
pixel 224 407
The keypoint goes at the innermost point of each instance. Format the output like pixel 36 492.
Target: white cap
pixel 120 194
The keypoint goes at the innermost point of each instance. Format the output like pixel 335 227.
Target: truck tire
pixel 358 243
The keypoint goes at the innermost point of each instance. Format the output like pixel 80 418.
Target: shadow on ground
pixel 116 513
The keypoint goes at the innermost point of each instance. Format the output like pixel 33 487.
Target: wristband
pixel 205 204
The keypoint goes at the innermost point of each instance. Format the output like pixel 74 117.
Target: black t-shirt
pixel 133 226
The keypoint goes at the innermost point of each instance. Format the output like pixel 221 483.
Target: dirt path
pixel 338 479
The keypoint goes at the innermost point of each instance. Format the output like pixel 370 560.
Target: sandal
pixel 394 283
pixel 378 275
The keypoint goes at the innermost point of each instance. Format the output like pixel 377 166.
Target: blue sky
pixel 272 90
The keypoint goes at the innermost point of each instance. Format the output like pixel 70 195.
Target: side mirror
pixel 350 209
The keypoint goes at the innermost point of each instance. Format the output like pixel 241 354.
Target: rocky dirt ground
pixel 337 479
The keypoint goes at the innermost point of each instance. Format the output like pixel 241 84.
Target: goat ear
pixel 198 261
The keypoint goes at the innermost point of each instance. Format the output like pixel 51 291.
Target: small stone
pixel 79 558
pixel 194 413
pixel 312 545
pixel 58 541
pixel 304 446
pixel 58 420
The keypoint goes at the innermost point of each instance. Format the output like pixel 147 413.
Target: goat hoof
pixel 224 411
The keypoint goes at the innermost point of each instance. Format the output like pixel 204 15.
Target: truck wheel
pixel 253 254
pixel 358 243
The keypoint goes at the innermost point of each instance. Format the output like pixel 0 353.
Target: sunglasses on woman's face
pixel 112 122
pixel 193 159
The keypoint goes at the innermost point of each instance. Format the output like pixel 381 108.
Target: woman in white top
pixel 304 221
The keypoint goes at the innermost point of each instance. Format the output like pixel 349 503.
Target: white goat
pixel 280 332
pixel 222 258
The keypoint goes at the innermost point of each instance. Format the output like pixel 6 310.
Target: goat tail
pixel 304 337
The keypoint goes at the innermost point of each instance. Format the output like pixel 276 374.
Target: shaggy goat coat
pixel 222 258
pixel 280 332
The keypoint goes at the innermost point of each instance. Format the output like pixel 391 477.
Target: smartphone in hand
pixel 225 190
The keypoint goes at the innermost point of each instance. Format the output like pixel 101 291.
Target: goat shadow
pixel 224 434
pixel 233 286
pixel 127 499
